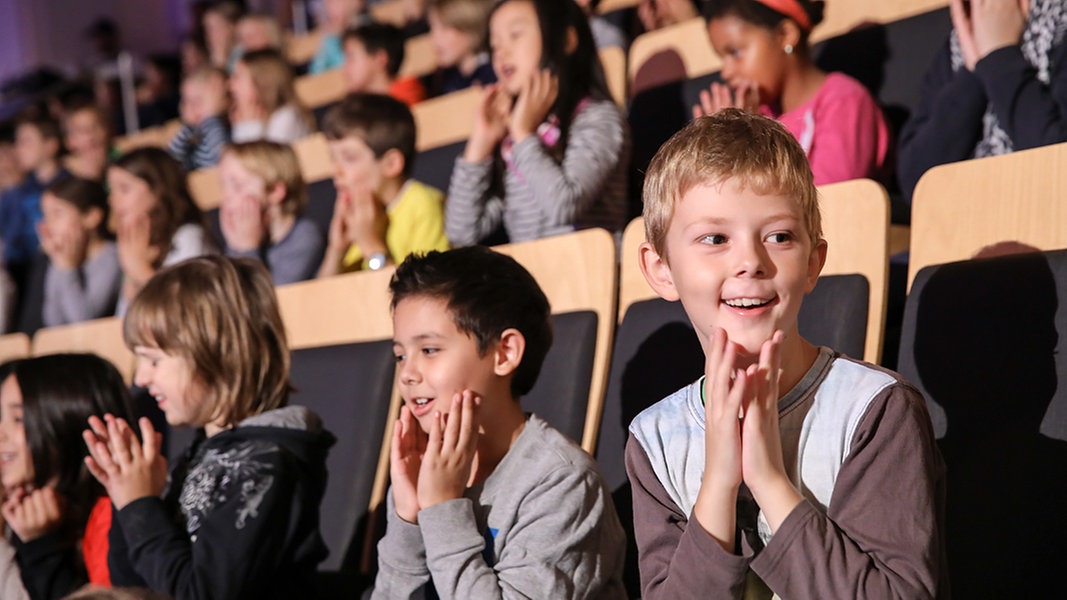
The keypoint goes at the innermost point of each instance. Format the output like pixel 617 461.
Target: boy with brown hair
pixel 381 214
pixel 486 501
pixel 373 55
pixel 787 469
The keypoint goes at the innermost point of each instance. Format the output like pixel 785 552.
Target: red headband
pixel 791 9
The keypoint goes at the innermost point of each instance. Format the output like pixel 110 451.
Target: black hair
pixel 382 122
pixel 761 15
pixel 580 73
pixel 42 122
pixel 59 394
pixel 84 195
pixel 378 37
pixel 486 292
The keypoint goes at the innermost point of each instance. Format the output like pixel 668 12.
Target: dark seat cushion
pixel 561 394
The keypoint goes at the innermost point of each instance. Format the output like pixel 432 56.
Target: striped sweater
pixel 200 146
pixel 543 196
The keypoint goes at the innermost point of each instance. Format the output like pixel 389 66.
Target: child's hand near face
pixel 366 221
pixel 762 461
pixel 535 100
pixel 32 514
pixel 719 96
pixel 408 447
pixel 450 450
pixel 137 255
pixel 490 124
pixel 244 223
pixel 65 249
pixel 725 388
pixel 986 25
pixel 125 467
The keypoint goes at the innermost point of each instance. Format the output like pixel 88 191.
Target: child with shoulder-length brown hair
pixel 263 200
pixel 154 216
pixel 211 349
pixel 265 104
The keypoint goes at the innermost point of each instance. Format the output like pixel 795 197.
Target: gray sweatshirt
pixel 543 196
pixel 542 525
pixel 295 258
pixel 84 293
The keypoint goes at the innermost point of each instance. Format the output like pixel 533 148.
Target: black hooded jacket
pixel 239 517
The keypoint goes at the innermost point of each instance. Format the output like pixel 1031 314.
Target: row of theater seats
pixel 980 340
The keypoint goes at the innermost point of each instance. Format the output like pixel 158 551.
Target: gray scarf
pixel 1044 31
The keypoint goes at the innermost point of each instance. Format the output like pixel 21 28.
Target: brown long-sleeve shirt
pixel 859 446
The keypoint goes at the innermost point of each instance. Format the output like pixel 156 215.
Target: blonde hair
pixel 274 82
pixel 469 16
pixel 731 144
pixel 221 315
pixel 273 163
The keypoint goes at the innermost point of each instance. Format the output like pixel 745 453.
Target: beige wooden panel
pixel 960 208
pixel 313 154
pixel 321 89
pixel 393 12
pixel 419 56
pixel 159 137
pixel 577 272
pixel 855 222
pixel 101 336
pixel 856 227
pixel 607 6
pixel 613 60
pixel 446 119
pixel 302 48
pixel 353 307
pixel 205 186
pixel 14 345
pixel 841 17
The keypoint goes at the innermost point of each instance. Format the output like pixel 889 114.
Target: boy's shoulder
pixel 542 450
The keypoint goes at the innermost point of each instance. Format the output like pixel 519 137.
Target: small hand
pixel 409 444
pixel 137 255
pixel 450 450
pixel 535 100
pixel 338 236
pixel 490 123
pixel 65 251
pixel 127 468
pixel 997 23
pixel 31 514
pixel 244 223
pixel 720 96
pixel 366 221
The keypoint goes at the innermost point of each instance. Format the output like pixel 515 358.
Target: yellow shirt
pixel 416 224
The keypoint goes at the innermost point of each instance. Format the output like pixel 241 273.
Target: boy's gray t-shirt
pixel 542 525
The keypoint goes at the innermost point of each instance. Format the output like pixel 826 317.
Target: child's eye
pixel 430 351
pixel 780 237
pixel 714 239
pixel 398 357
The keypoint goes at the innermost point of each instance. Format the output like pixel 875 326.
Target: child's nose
pixel 409 373
pixel 751 260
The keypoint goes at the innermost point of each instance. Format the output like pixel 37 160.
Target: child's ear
pixel 657 272
pixel 788 34
pixel 92 218
pixel 392 163
pixel 508 353
pixel 276 193
pixel 816 261
pixel 572 41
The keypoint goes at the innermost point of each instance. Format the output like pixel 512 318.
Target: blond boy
pixel 205 128
pixel 787 469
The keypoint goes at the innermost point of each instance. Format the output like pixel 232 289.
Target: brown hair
pixel 273 163
pixel 274 80
pixel 469 16
pixel 382 122
pixel 166 180
pixel 731 144
pixel 221 315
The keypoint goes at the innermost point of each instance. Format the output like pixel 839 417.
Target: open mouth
pixel 421 406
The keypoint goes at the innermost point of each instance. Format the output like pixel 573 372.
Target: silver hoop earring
pixel 788 48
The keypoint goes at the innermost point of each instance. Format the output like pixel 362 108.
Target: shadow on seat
pixel 349 386
pixel 561 394
pixel 983 341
